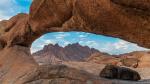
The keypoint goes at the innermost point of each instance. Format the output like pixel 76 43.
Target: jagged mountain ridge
pixel 71 52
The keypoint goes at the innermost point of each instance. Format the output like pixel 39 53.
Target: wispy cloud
pixel 47 41
pixel 102 43
pixel 120 47
pixel 61 35
pixel 121 44
pixel 82 36
pixel 91 43
pixel 9 8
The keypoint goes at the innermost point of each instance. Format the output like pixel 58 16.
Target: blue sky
pixel 9 8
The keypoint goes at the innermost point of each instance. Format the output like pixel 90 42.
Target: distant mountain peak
pixel 71 52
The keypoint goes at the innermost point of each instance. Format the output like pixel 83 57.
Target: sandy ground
pixel 96 68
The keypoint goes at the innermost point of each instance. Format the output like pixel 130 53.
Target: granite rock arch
pixel 128 20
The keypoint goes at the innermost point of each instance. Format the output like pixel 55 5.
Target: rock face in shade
pixel 126 19
pixel 55 53
pixel 115 72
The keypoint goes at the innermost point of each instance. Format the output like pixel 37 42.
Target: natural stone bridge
pixel 125 19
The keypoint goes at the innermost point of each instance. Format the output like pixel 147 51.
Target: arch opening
pixel 73 48
pixel 110 45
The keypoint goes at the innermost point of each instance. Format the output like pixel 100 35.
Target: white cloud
pixel 4 16
pixel 81 42
pixel 49 42
pixel 120 47
pixel 61 35
pixel 40 43
pixel 65 43
pixel 4 2
pixel 91 44
pixel 121 44
pixel 5 7
pixel 9 8
pixel 46 42
pixel 82 36
pixel 104 44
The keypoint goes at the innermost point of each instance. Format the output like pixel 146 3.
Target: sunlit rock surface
pixel 129 20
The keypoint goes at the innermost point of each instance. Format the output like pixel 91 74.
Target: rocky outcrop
pixel 16 65
pixel 55 53
pixel 103 58
pixel 129 20
pixel 58 72
pixel 130 62
pixel 115 72
pixel 138 59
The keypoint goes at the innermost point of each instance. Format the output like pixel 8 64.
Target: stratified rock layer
pixel 129 20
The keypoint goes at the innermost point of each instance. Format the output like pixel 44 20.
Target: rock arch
pixel 128 20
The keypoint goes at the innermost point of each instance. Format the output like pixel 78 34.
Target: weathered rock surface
pixel 58 72
pixel 96 62
pixel 103 58
pixel 130 62
pixel 138 59
pixel 16 65
pixel 116 72
pixel 111 13
pixel 129 20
